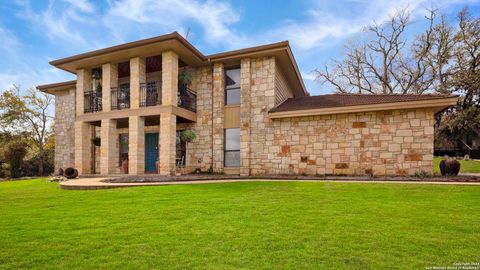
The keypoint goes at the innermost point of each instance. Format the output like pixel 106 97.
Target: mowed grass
pixel 466 166
pixel 255 225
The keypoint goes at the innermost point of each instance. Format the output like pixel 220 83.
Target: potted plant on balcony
pixel 188 136
pixel 99 89
pixel 96 141
pixel 185 77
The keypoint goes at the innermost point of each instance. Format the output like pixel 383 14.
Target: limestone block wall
pixel 218 92
pixel 199 152
pixel 64 129
pixel 262 92
pixel 398 142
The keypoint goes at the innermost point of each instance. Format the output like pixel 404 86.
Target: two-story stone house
pixel 249 109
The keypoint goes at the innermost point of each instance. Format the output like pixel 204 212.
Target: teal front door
pixel 151 152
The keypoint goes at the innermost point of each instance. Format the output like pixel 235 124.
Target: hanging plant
pixel 96 141
pixel 96 74
pixel 188 136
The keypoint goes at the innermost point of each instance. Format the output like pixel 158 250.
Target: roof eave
pixel 53 88
pixel 260 51
pixel 438 104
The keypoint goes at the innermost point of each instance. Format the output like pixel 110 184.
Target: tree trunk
pixel 41 162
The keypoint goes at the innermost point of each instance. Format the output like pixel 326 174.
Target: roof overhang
pixel 438 105
pixel 283 55
pixel 188 54
pixel 53 88
pixel 141 48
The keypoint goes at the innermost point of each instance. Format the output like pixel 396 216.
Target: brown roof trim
pixel 246 51
pixel 299 75
pixel 53 87
pixel 129 45
pixel 438 104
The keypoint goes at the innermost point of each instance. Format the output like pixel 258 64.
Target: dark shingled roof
pixel 343 100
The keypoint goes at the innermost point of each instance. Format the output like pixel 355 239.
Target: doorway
pixel 151 152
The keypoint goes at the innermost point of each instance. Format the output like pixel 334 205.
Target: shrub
pixel 422 175
pixel 14 154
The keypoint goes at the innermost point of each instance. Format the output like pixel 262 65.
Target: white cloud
pixel 60 24
pixel 9 42
pixel 213 17
pixel 324 25
pixel 82 5
pixel 17 66
pixel 308 76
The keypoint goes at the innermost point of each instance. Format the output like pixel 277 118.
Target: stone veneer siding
pixel 199 152
pixel 398 142
pixel 218 92
pixel 262 99
pixel 64 129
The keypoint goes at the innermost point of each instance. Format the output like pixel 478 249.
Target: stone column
pixel 168 129
pixel 245 117
pixel 83 147
pixel 169 78
pixel 109 80
pixel 108 153
pixel 218 116
pixel 84 84
pixel 168 121
pixel 136 145
pixel 137 76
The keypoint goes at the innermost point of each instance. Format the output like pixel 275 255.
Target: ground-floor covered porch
pixel 132 145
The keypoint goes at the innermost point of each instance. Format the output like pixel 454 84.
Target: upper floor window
pixel 232 86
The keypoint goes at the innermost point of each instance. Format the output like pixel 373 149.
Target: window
pixel 232 86
pixel 232 147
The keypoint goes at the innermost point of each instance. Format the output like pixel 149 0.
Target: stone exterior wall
pixel 396 142
pixel 262 99
pixel 199 152
pixel 218 92
pixel 64 129
pixel 245 115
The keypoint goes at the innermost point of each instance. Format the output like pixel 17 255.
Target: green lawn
pixel 256 225
pixel 470 166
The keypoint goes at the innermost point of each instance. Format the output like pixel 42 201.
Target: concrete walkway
pixel 96 183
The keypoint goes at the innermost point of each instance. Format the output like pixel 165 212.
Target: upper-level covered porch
pixel 138 89
pixel 154 72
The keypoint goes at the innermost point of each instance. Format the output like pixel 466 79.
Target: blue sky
pixel 32 33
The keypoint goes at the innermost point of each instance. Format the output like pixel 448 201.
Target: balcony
pixel 150 94
pixel 92 102
pixel 187 99
pixel 120 97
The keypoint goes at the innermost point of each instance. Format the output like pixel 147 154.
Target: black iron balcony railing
pixel 150 94
pixel 92 102
pixel 187 99
pixel 120 98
